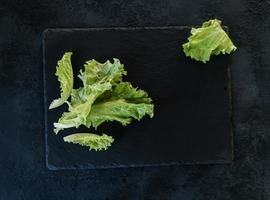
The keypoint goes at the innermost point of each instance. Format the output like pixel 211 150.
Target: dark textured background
pixel 23 173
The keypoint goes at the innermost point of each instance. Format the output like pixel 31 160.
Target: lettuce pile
pixel 104 96
pixel 210 39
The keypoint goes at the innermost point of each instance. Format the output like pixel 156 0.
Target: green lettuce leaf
pixel 123 103
pixel 93 141
pixel 97 78
pixel 64 73
pixel 210 39
pixel 95 71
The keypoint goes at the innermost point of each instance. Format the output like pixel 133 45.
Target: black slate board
pixel 192 122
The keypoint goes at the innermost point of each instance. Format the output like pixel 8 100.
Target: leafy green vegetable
pixel 122 104
pixel 93 141
pixel 64 73
pixel 101 72
pixel 104 97
pixel 210 39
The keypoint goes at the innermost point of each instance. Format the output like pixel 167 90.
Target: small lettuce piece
pixel 97 78
pixel 64 73
pixel 95 71
pixel 93 141
pixel 210 39
pixel 123 103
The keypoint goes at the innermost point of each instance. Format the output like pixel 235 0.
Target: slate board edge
pixel 85 167
pixel 231 111
pixel 123 28
pixel 57 168
pixel 45 108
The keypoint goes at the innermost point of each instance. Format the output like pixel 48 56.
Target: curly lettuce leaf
pixel 125 90
pixel 95 71
pixel 123 103
pixel 93 141
pixel 64 73
pixel 210 39
pixel 97 78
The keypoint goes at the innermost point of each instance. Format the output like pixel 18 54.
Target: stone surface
pixel 192 122
pixel 22 161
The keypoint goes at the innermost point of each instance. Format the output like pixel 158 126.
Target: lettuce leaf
pixel 93 141
pixel 123 103
pixel 64 73
pixel 95 71
pixel 210 39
